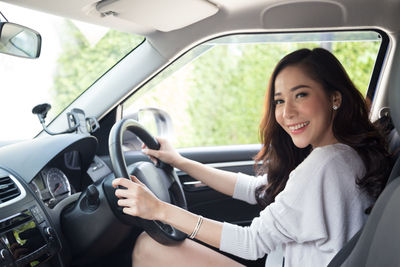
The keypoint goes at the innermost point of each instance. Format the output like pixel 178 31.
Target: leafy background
pixel 82 63
pixel 217 99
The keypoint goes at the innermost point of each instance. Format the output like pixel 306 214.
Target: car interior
pixel 180 61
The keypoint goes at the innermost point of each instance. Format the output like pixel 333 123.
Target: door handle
pixel 194 185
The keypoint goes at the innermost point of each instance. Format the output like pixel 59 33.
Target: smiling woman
pixel 204 66
pixel 70 62
pixel 316 125
pixel 302 108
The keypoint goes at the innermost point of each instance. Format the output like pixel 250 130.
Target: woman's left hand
pixel 137 199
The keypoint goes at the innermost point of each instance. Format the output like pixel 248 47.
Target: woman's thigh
pixel 148 252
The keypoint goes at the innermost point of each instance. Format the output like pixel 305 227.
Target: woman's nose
pixel 289 110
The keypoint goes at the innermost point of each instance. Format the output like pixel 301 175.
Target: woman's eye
pixel 301 95
pixel 278 101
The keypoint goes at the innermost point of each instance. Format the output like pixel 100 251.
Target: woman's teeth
pixel 298 126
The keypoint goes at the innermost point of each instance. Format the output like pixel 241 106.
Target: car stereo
pixel 24 242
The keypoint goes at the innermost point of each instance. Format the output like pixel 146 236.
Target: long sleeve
pixel 246 185
pixel 319 209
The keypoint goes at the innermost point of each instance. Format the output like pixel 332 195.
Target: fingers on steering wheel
pixel 130 211
pixel 122 182
pixel 136 180
pixel 122 193
pixel 124 202
pixel 148 152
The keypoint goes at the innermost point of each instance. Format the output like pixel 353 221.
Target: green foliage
pixel 227 98
pixel 81 64
pixel 228 93
pixel 358 58
pixel 217 99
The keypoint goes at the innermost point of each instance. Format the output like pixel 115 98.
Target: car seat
pixel 378 242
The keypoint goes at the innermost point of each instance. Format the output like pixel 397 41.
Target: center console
pixel 26 239
pixel 26 235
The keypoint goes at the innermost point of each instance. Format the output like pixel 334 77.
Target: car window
pixel 214 94
pixel 74 55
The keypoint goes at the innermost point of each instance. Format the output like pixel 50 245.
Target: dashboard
pixel 39 180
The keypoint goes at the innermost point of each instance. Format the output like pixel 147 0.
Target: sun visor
pixel 163 15
pixel 298 15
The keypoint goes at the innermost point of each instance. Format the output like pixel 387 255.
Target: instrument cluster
pixel 51 185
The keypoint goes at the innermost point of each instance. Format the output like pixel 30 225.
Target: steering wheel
pixel 160 179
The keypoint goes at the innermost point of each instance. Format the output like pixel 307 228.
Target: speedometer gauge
pixel 57 183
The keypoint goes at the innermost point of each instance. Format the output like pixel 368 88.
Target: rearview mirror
pixel 19 40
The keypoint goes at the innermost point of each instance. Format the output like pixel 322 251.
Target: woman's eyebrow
pixel 294 89
pixel 299 86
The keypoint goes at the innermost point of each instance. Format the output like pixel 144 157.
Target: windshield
pixel 74 55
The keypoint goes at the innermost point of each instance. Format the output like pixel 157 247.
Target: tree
pixel 229 83
pixel 80 64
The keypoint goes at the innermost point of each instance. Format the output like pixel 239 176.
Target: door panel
pixel 204 200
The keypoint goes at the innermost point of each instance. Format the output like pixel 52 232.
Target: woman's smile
pixel 303 108
pixel 298 127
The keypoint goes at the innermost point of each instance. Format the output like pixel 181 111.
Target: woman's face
pixel 303 109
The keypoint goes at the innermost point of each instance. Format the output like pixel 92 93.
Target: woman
pixel 323 165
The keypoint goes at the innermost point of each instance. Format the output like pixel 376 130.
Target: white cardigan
pixel 311 219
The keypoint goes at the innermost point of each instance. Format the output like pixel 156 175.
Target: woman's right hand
pixel 166 153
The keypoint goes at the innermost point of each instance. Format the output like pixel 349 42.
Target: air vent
pixel 8 189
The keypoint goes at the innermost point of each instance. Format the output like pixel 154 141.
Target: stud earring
pixel 335 107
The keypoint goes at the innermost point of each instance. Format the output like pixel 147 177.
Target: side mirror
pixel 17 40
pixel 155 120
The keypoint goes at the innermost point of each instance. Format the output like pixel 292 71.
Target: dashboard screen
pixel 21 235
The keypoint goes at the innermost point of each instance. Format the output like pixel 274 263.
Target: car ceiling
pixel 162 21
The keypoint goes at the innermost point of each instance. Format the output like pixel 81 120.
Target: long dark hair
pixel 351 126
